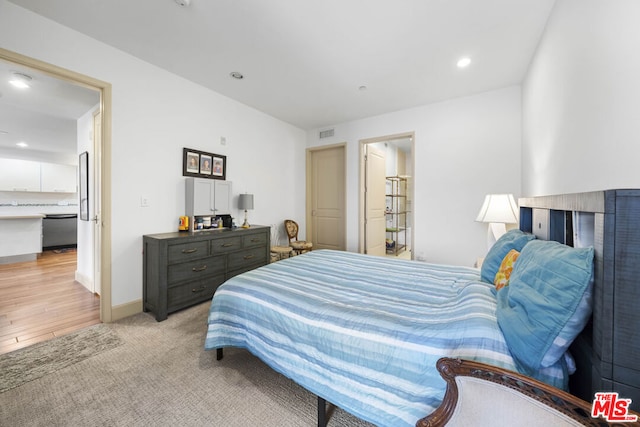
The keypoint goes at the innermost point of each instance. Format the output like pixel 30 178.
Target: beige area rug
pixel 38 360
pixel 158 374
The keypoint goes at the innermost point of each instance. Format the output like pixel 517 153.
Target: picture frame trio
pixel 200 164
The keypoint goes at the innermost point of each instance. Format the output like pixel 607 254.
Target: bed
pixel 365 333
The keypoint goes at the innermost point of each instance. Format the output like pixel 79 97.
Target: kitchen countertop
pixel 31 216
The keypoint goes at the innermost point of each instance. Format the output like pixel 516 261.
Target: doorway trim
pixel 361 192
pixel 104 89
pixel 309 188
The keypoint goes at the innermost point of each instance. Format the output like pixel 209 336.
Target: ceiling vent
pixel 326 133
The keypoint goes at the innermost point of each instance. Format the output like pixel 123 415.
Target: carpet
pixel 160 375
pixel 38 360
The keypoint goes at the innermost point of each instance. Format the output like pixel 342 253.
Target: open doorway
pixel 394 180
pixel 60 97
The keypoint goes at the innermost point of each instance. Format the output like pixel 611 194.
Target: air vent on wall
pixel 326 133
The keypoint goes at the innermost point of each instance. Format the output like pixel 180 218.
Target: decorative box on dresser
pixel 607 351
pixel 182 269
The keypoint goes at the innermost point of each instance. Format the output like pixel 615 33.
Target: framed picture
pixel 200 164
pixel 205 164
pixel 83 170
pixel 219 164
pixel 192 162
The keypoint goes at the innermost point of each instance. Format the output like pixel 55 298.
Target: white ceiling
pixel 304 61
pixel 44 115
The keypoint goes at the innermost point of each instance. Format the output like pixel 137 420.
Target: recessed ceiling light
pixel 22 144
pixel 20 80
pixel 464 62
pixel 236 75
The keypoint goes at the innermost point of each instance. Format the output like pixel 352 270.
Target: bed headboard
pixel 607 350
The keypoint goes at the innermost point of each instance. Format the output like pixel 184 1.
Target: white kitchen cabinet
pixel 207 197
pixel 55 178
pixel 21 237
pixel 19 175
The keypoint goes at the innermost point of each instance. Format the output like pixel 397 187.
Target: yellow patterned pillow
pixel 506 267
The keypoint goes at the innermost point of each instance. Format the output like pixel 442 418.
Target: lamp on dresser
pixel 498 210
pixel 245 202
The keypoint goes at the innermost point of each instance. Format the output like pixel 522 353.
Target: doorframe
pixel 104 89
pixel 309 187
pixel 361 189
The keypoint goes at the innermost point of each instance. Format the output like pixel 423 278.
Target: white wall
pixel 85 264
pixel 155 115
pixel 581 100
pixel 464 148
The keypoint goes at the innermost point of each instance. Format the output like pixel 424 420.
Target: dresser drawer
pixel 183 269
pixel 246 258
pixel 254 240
pixel 187 251
pixel 228 244
pixel 189 293
pixel 194 270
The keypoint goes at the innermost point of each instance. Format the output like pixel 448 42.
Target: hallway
pixel 40 300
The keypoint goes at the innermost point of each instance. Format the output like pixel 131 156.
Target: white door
pixel 55 178
pixel 200 197
pixel 374 200
pixel 19 175
pixel 97 202
pixel 222 198
pixel 327 199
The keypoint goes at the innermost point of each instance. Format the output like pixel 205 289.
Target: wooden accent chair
pixel 483 395
pixel 299 246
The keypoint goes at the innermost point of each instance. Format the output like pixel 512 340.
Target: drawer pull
pixel 196 269
pixel 202 288
pixel 256 240
pixel 248 256
pixel 226 245
pixel 189 251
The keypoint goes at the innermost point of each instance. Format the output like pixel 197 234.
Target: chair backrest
pixel 291 227
pixel 483 395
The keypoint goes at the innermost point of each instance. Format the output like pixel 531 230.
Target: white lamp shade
pixel 245 201
pixel 499 208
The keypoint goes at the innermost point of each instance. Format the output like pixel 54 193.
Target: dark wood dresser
pixel 181 269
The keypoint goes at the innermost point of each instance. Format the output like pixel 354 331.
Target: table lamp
pixel 245 201
pixel 498 210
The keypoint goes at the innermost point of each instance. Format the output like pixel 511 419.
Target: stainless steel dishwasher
pixel 60 231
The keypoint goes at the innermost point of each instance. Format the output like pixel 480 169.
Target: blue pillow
pixel 545 289
pixel 576 323
pixel 512 239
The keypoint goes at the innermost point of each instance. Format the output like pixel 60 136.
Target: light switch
pixel 144 201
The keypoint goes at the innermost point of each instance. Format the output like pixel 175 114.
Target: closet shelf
pixel 396 213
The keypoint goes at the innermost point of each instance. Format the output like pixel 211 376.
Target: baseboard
pixel 117 312
pixel 18 258
pixel 125 310
pixel 85 281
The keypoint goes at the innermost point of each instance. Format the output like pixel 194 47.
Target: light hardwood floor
pixel 40 300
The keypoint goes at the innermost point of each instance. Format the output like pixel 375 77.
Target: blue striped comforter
pixel 363 332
